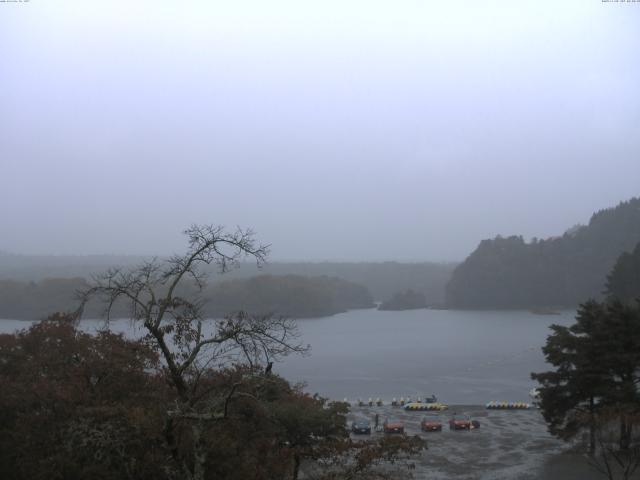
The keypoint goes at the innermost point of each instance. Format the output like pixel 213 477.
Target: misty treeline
pixel 382 279
pixel 32 287
pixel 287 295
pixel 508 272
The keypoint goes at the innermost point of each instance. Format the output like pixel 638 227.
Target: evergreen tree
pixel 597 368
pixel 568 394
pixel 623 282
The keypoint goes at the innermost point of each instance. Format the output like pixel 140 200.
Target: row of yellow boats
pixel 420 406
pixel 494 405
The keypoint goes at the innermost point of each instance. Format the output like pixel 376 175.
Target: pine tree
pixel 623 282
pixel 597 369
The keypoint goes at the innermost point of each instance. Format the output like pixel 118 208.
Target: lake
pixel 463 357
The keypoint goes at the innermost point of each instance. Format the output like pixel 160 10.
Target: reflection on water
pixel 463 357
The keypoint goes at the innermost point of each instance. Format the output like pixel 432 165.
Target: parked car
pixel 459 424
pixel 463 424
pixel 361 427
pixel 393 427
pixel 431 424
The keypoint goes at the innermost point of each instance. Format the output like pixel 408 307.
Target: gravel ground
pixel 511 444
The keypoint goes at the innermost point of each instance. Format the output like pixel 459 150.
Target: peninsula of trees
pixel 508 272
pixel 288 295
pixel 407 300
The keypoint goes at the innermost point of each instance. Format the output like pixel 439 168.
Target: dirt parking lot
pixel 510 444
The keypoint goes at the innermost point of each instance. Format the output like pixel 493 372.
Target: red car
pixel 431 425
pixel 463 424
pixel 393 427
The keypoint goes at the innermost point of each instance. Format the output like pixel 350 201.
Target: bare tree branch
pixel 175 325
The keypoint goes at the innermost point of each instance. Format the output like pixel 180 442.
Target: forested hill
pixel 508 272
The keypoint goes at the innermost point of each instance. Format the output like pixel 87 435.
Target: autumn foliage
pixel 80 406
pixel 74 405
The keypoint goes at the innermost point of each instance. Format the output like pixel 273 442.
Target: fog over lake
pixel 463 357
pixel 337 130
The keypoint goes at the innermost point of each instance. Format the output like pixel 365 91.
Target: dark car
pixel 430 424
pixel 361 427
pixel 393 427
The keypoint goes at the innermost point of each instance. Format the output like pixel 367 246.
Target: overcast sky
pixel 338 130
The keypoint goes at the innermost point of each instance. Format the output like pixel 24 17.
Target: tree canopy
pixel 78 406
pixel 596 372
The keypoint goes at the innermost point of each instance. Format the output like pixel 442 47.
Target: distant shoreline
pixel 552 311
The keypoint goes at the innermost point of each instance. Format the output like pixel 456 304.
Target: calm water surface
pixel 463 357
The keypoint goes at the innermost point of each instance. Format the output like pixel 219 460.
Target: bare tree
pixel 191 346
pixel 610 459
